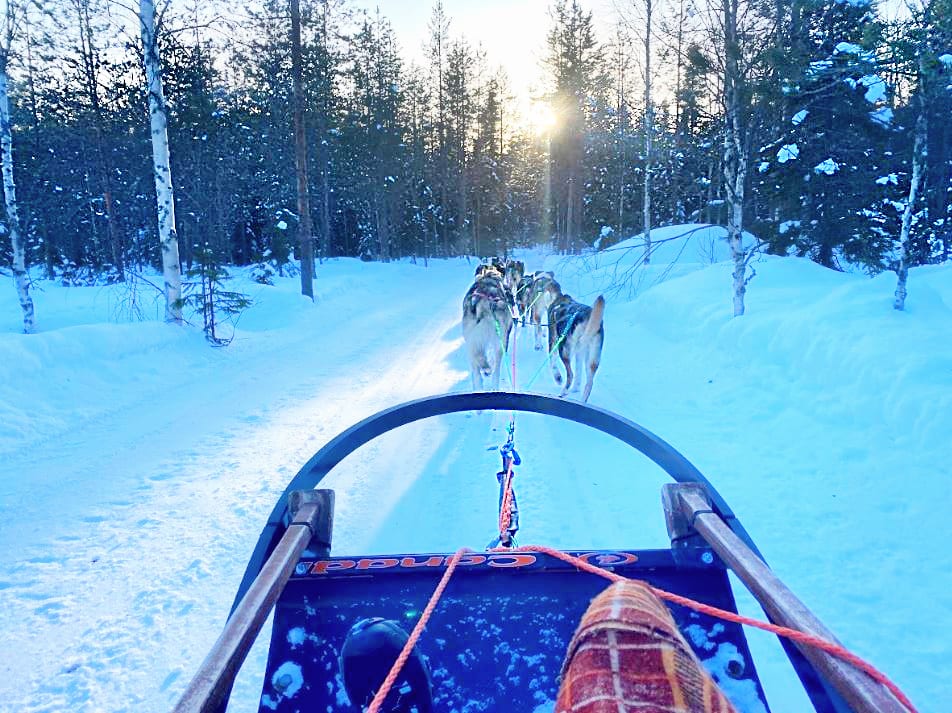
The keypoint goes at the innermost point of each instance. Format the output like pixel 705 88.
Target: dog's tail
pixel 594 322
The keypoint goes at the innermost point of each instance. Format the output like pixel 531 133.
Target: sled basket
pixel 499 636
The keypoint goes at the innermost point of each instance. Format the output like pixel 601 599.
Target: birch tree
pixel 743 35
pixel 902 269
pixel 621 115
pixel 165 200
pixel 735 153
pixel 928 68
pixel 20 277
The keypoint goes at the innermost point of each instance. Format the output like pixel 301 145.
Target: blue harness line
pixel 510 458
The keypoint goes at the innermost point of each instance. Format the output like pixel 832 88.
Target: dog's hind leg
pixel 567 362
pixel 592 367
pixel 556 374
pixel 496 365
pixel 475 372
pixel 480 368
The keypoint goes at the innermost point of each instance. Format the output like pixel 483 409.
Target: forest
pixel 820 126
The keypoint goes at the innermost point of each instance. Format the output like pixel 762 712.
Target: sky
pixel 512 32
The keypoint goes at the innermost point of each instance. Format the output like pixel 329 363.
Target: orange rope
pixel 505 510
pixel 801 637
pixel 415 634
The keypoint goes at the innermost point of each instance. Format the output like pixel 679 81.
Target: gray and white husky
pixel 487 322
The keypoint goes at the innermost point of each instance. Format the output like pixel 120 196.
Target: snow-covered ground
pixel 138 464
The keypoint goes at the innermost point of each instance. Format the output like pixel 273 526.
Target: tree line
pixel 819 125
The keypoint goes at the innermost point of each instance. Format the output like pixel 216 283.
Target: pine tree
pixel 376 171
pixel 437 49
pixel 578 86
pixel 206 293
pixel 305 238
pixel 818 170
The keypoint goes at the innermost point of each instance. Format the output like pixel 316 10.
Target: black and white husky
pixel 487 322
pixel 579 333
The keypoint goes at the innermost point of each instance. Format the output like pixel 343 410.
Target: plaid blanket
pixel 627 655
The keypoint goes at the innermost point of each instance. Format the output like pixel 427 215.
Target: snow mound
pixel 621 270
pixel 684 244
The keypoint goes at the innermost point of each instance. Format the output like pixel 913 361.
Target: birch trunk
pixel 20 277
pixel 165 200
pixel 735 156
pixel 918 151
pixel 649 121
pixel 305 238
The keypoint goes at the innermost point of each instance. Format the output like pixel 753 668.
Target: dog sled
pixel 497 636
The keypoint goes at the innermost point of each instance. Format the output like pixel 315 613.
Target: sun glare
pixel 542 118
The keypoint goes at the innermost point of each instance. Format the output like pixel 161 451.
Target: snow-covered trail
pixel 133 515
pixel 566 497
pixel 131 582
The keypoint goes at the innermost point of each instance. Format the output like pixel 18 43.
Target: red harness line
pixel 798 636
pixel 505 509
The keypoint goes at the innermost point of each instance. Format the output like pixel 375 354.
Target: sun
pixel 542 118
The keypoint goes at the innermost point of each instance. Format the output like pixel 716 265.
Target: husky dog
pixel 487 322
pixel 514 271
pixel 579 333
pixel 524 297
pixel 545 290
pixel 486 268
